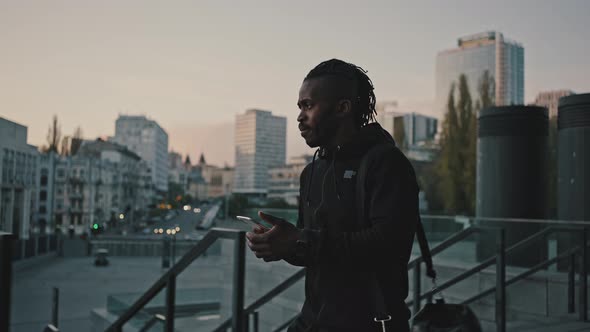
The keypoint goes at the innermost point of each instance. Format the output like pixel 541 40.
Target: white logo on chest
pixel 348 174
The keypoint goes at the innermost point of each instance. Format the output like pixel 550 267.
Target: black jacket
pixel 345 256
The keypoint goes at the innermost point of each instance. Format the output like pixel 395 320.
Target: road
pixel 184 220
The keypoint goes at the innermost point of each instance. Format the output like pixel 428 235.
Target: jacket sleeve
pixel 292 259
pixel 392 209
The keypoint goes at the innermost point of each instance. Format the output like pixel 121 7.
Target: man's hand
pixel 276 243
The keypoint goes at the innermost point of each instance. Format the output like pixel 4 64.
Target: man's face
pixel 316 123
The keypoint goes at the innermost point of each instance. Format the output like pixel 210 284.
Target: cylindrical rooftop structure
pixel 511 177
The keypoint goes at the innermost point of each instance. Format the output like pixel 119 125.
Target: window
pixel 43 195
pixel 42 209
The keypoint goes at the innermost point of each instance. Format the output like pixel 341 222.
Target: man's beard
pixel 327 127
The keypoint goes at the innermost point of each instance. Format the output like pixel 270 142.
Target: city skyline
pixel 63 58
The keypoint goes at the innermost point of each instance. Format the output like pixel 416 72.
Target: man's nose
pixel 301 116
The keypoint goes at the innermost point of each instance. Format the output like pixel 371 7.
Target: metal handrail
pixel 523 275
pixel 486 263
pixel 5 278
pixel 168 280
pixel 514 220
pixel 501 281
pixel 285 324
pixel 266 297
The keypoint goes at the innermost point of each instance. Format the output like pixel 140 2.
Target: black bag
pixel 437 317
pixel 443 317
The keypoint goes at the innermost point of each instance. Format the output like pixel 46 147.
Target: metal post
pixel 417 290
pixel 500 282
pixel 55 308
pixel 246 323
pixel 255 321
pixel 36 249
pixel 226 201
pixel 165 253
pixel 170 294
pixel 173 250
pixel 5 279
pixel 238 318
pixel 571 284
pixel 584 278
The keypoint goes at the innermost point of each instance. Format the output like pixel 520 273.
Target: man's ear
pixel 344 107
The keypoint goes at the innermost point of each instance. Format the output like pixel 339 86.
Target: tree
pixel 76 142
pixel 399 133
pixel 456 166
pixel 446 163
pixel 486 91
pixel 65 146
pixel 53 136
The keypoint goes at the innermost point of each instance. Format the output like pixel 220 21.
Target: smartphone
pixel 251 222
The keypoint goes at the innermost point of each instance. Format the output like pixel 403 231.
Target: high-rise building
pixel 147 139
pixel 416 128
pixel 550 100
pixel 19 181
pixel 475 54
pixel 260 140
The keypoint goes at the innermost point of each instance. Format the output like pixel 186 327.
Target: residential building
pixel 177 170
pixel 284 180
pixel 104 183
pixel 550 100
pixel 475 54
pixel 45 215
pixel 147 139
pixel 220 180
pixel 19 181
pixel 260 141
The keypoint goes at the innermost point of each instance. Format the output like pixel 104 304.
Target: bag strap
pixel 380 307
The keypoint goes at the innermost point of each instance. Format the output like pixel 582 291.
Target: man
pixel 350 263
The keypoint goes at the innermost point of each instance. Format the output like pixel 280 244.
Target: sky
pixel 193 65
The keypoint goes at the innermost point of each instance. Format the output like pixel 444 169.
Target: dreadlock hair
pixel 363 99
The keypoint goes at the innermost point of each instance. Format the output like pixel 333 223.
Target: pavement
pixel 84 287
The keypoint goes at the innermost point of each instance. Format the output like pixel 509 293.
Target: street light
pixel 121 216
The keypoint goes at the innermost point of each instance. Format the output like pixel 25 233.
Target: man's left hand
pixel 276 243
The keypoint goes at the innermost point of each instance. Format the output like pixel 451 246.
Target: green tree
pixel 399 133
pixel 486 90
pixel 456 166
pixel 53 136
pixel 446 163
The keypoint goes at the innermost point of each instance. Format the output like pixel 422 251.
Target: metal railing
pixel 239 320
pixel 5 279
pixel 251 309
pixel 500 260
pixel 168 281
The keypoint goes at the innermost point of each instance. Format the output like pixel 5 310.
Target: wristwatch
pixel 301 247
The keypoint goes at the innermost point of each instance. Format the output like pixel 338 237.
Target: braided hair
pixel 363 98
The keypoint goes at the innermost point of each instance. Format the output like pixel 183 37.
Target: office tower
pixel 19 182
pixel 260 141
pixel 146 138
pixel 475 54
